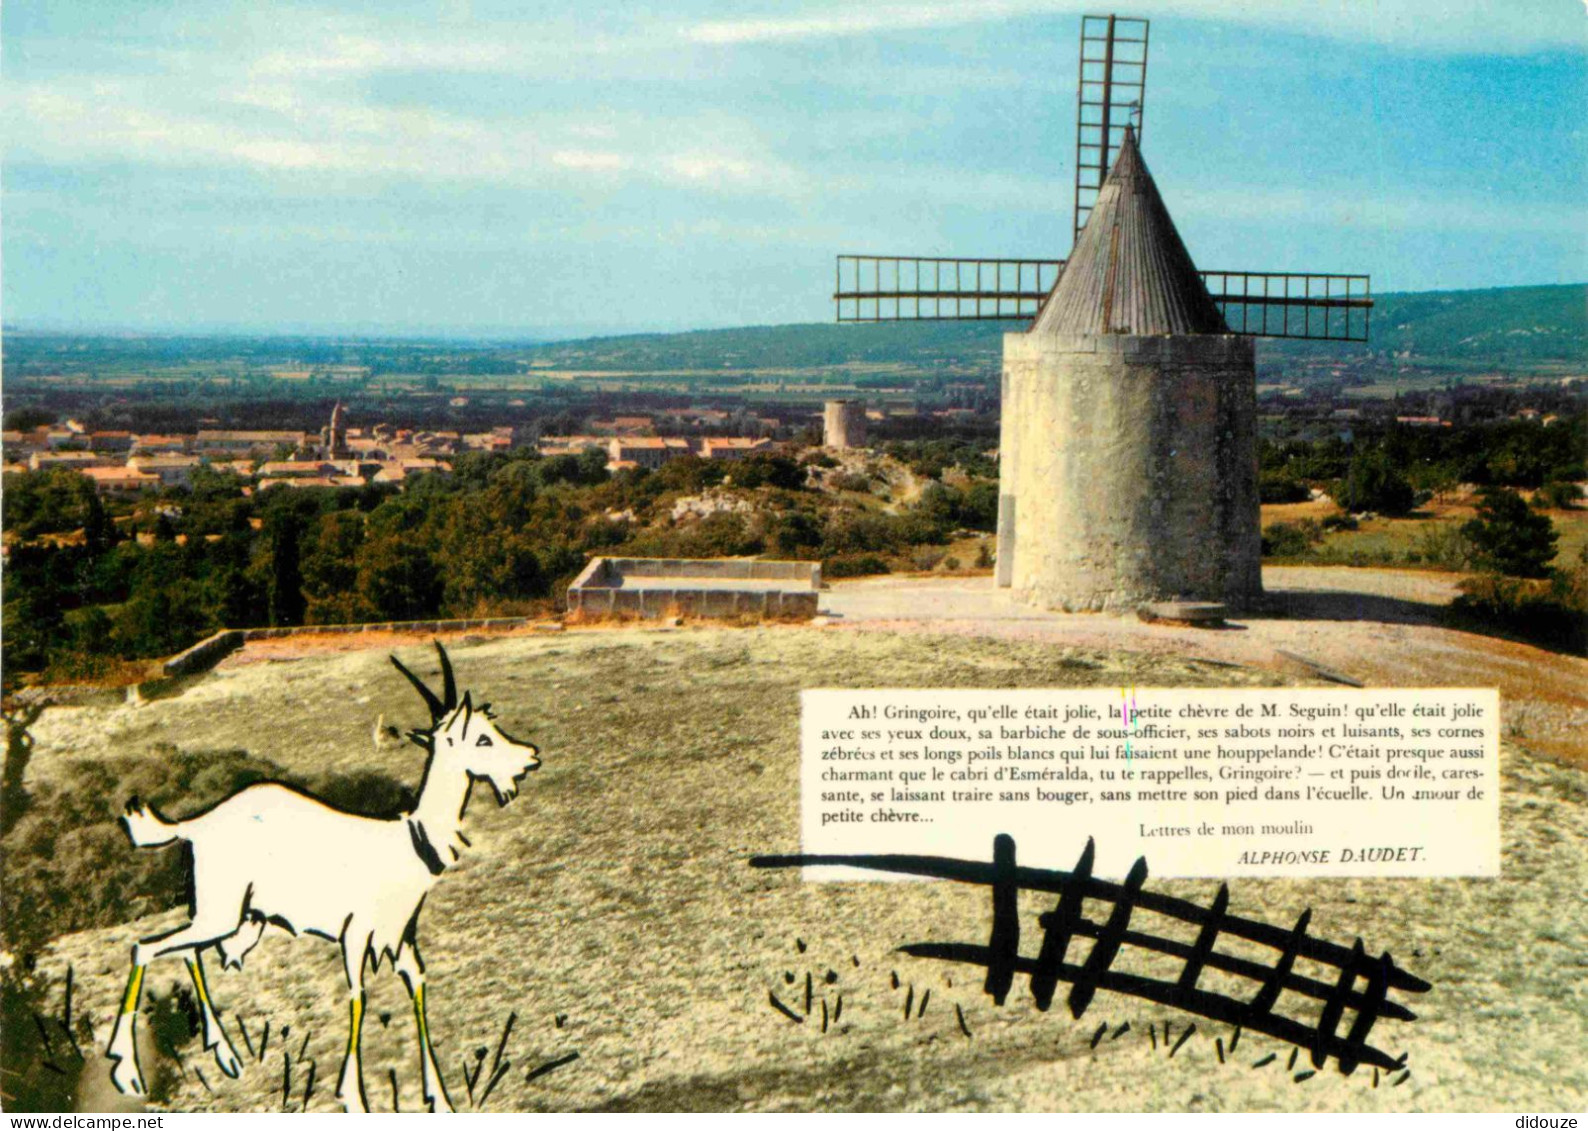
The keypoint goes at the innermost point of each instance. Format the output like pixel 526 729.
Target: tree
pixel 1509 537
pixel 32 624
pixel 940 504
pixel 99 532
pixel 980 510
pixel 1374 483
pixel 162 619
pixel 28 418
pixel 1439 479
pixel 397 577
pixel 483 562
pixel 1281 487
pixel 53 501
pixel 284 598
pixel 330 569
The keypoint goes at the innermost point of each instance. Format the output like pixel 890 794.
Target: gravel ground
pixel 609 912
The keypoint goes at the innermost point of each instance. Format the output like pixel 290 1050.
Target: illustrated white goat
pixel 270 854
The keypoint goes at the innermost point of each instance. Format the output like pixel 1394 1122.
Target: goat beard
pixel 503 796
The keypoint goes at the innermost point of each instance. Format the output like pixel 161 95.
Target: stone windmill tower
pixel 1128 443
pixel 1128 446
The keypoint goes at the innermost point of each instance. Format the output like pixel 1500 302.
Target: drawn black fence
pixel 1002 959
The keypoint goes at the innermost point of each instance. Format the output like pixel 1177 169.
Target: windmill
pixel 1127 462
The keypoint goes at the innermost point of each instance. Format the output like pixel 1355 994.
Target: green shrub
pixel 1445 546
pixel 854 565
pixel 1291 539
pixel 768 471
pixel 1374 483
pixel 1553 612
pixel 1509 538
pixel 1560 494
pixel 793 533
pixel 1281 487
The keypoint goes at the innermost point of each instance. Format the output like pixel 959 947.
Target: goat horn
pixel 436 708
pixel 449 691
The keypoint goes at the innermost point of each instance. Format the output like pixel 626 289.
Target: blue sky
pixel 561 168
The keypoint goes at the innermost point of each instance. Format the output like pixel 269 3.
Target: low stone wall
pixel 385 626
pixel 599 591
pixel 693 603
pixel 213 649
pixel 206 653
pixel 595 592
pixel 604 571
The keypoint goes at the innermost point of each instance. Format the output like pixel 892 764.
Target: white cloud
pixel 312 128
pixel 850 21
pixel 1458 26
pixel 590 160
pixel 279 153
pixel 713 167
pixel 332 48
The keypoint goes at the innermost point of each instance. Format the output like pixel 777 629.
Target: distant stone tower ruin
pixel 1128 458
pixel 844 424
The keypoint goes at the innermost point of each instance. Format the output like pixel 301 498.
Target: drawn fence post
pixel 1003 946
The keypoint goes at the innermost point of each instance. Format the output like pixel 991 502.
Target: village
pixel 124 463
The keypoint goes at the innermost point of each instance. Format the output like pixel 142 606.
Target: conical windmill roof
pixel 1129 273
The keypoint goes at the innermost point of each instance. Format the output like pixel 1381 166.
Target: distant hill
pixel 794 346
pixel 1511 326
pixel 1525 330
pixel 1502 323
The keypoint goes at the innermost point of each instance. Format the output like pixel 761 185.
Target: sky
pixel 555 169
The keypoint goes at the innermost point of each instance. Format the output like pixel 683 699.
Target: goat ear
pixel 436 709
pixel 449 686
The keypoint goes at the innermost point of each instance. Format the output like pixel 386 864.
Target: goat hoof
pixel 227 1061
pixel 351 1097
pixel 125 1076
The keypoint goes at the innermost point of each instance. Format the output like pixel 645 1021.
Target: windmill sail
pixel 1110 94
pixel 1255 304
pixel 1107 285
pixel 912 288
